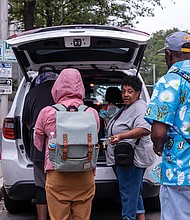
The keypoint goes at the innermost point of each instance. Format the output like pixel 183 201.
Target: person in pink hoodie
pixel 68 194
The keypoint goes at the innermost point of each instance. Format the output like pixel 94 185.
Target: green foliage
pixel 151 57
pixel 15 85
pixel 40 13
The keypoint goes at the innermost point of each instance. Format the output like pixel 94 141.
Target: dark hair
pixel 113 95
pixel 132 81
pixel 47 68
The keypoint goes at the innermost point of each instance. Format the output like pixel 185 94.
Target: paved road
pixel 102 210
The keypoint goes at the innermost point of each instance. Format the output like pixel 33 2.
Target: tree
pixel 40 13
pixel 151 56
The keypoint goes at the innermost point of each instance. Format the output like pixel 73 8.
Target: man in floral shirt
pixel 169 114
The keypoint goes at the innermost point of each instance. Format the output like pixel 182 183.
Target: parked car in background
pixel 103 55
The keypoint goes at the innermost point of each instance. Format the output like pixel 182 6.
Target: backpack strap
pixel 82 107
pixel 89 146
pixel 183 75
pixel 65 148
pixel 61 107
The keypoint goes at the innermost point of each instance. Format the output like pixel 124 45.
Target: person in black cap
pixel 37 98
pixel 169 114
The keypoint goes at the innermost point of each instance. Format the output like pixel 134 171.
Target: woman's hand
pixel 115 139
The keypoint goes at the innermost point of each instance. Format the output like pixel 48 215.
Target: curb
pixel 1 182
pixel 1 177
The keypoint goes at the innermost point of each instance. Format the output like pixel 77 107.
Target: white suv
pixel 103 55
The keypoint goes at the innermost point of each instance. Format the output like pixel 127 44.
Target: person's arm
pixel 98 127
pixel 159 136
pixel 39 133
pixel 96 117
pixel 131 134
pixel 140 127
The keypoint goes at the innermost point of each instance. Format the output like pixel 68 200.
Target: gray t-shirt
pixel 130 118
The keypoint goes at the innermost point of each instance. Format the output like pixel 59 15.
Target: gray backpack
pixel 77 139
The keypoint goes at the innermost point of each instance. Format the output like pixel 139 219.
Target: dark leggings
pixel 40 195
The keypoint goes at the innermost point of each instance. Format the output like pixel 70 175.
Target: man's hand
pixel 159 136
pixel 159 153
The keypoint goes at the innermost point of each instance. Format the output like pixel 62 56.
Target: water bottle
pixel 52 141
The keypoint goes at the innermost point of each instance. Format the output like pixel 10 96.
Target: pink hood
pixel 68 89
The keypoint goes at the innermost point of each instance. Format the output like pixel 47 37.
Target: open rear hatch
pixel 94 47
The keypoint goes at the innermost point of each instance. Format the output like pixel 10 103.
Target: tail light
pixel 11 128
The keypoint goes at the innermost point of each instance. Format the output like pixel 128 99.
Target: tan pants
pixel 70 194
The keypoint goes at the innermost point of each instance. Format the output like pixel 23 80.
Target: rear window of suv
pixel 54 50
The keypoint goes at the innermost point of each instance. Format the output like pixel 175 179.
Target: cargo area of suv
pixel 103 55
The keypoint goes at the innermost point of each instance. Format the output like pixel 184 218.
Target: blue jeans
pixel 130 187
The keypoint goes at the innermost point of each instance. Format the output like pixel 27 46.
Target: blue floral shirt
pixel 170 104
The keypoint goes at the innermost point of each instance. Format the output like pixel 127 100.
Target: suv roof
pixel 89 47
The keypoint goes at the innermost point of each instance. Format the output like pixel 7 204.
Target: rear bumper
pixel 26 190
pixel 21 190
pixel 150 189
pixel 106 189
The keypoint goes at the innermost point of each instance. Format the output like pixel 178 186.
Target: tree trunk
pixel 29 12
pixel 49 14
